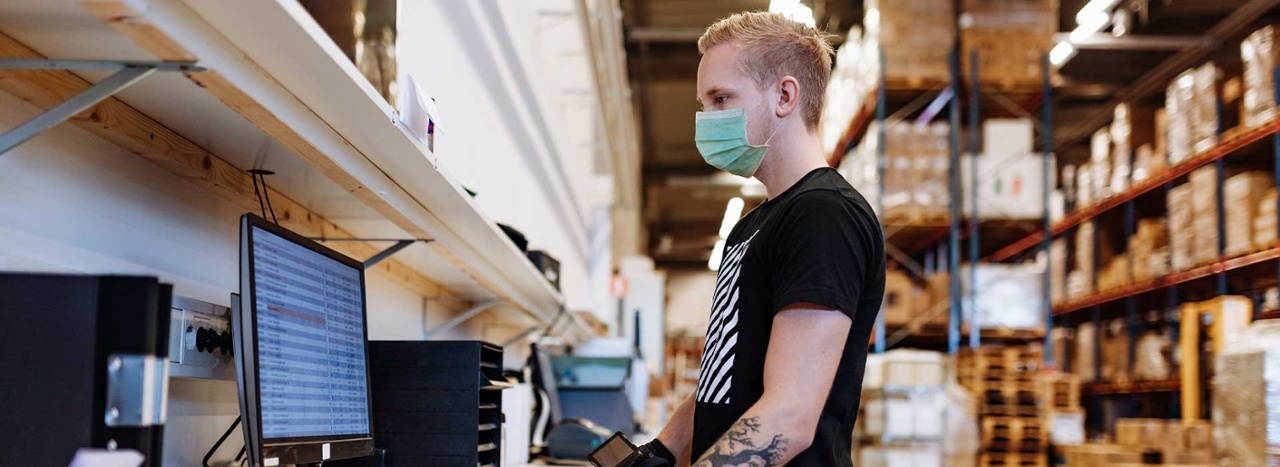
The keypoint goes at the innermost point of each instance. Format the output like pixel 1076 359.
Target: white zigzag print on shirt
pixel 716 376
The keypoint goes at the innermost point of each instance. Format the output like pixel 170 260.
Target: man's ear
pixel 788 96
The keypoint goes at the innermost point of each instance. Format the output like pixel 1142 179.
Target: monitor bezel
pixel 306 448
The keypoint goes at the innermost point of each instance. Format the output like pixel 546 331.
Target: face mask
pixel 721 137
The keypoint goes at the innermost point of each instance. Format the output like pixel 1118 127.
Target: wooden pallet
pixel 1014 435
pixel 1020 411
pixel 1009 392
pixel 1060 391
pixel 1002 361
pixel 1006 459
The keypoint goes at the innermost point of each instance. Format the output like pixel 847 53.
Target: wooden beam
pixel 121 124
pixel 122 16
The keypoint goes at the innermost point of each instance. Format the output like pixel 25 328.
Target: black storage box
pixel 548 266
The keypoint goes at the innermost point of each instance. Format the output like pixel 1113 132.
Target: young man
pixel 803 274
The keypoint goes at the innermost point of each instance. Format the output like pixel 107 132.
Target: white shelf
pixel 282 73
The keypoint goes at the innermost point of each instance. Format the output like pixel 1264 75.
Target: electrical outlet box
pixel 192 326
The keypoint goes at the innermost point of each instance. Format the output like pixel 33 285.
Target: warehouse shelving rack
pixel 935 239
pixel 1240 144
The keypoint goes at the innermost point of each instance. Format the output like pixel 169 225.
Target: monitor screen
pixel 309 311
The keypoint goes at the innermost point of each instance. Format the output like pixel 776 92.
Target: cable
pixel 267 194
pixel 218 444
pixel 254 176
pixel 241 454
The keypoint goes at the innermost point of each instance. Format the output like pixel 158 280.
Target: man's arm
pixel 677 436
pixel 800 366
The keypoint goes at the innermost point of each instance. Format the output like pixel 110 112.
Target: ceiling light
pixel 717 254
pixel 732 212
pixel 1090 26
pixel 793 9
pixel 1061 53
pixel 1094 7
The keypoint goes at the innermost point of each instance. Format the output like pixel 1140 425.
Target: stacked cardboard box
pixel 1265 222
pixel 1115 274
pixel 1246 416
pixel 917 164
pixel 1115 352
pixel 1058 271
pixel 1084 258
pixel 1132 127
pixel 1259 53
pixel 1149 248
pixel 1063 414
pixel 908 54
pixel 1083 363
pixel 1204 206
pixel 1181 230
pixel 1100 165
pixel 1192 106
pixel 1243 192
pixel 1010 37
pixel 900 295
pixel 1146 441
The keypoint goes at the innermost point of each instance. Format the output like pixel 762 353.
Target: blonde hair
pixel 774 46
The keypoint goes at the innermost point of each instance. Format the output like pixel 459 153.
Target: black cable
pixel 218 444
pixel 254 176
pixel 267 194
pixel 241 454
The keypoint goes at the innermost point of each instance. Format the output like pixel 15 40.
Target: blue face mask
pixel 721 137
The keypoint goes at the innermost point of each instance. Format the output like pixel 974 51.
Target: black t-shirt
pixel 819 242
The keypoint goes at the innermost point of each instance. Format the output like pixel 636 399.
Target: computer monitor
pixel 301 349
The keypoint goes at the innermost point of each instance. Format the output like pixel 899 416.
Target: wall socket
pixel 189 354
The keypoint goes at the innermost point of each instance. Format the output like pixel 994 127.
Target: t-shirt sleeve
pixel 822 253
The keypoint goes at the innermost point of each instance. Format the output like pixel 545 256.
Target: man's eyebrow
pixel 712 92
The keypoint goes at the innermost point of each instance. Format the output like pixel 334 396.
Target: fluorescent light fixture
pixel 1094 7
pixel 872 19
pixel 1091 25
pixel 717 254
pixel 732 212
pixel 1061 53
pixel 793 9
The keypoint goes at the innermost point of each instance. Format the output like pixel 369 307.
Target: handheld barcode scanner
pixel 618 451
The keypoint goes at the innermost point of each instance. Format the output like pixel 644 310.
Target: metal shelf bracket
pixel 466 315
pixel 382 255
pixel 126 75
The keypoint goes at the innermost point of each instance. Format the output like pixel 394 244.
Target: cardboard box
pixel 909 55
pixel 1132 127
pixel 1010 37
pixel 1100 164
pixel 1085 352
pixel 1142 432
pixel 1008 137
pixel 1009 296
pixel 1181 229
pixel 900 294
pixel 1095 455
pixel 1058 272
pixel 1198 435
pixel 910 368
pixel 1265 225
pixel 1242 192
pixel 1259 54
pixel 1009 186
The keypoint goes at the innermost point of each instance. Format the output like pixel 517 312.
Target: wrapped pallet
pixel 1181 230
pixel 1153 357
pixel 1150 238
pixel 1264 222
pixel 1204 108
pixel 1010 37
pixel 1132 127
pixel 1204 205
pixel 1243 192
pixel 1100 162
pixel 1179 98
pixel 1259 52
pixel 1084 186
pixel 1009 296
pixel 1084 253
pixel 900 294
pixel 908 54
pixel 1246 399
pixel 1058 271
pixel 1115 352
pixel 1084 363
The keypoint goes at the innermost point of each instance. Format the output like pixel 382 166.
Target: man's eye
pixel 721 99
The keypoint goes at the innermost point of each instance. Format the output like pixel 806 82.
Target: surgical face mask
pixel 721 137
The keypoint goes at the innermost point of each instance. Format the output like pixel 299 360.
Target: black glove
pixel 657 455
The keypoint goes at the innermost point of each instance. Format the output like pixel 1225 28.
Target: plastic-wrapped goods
pixel 1058 270
pixel 914 368
pixel 1115 352
pixel 1149 237
pixel 1242 192
pixel 1158 262
pixel 900 294
pixel 1010 36
pixel 1204 108
pixel 1204 202
pixel 1100 162
pixel 1066 428
pixel 1246 398
pixel 1179 99
pixel 1009 295
pixel 1181 233
pixel 1152 357
pixel 1259 52
pixel 1062 340
pixel 917 454
pixel 1132 127
pixel 1009 186
pixel 1264 222
pixel 906 415
pixel 908 54
pixel 1078 285
pixel 1084 253
pixel 1084 186
pixel 1147 163
pixel 1083 365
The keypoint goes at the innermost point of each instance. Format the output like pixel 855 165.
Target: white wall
pixel 70 202
pixel 689 301
pixel 510 78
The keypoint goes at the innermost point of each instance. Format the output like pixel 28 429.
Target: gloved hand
pixel 656 455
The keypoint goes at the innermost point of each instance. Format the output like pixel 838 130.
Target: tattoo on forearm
pixel 737 448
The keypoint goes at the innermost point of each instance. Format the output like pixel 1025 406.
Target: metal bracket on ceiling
pixel 400 244
pixel 127 73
